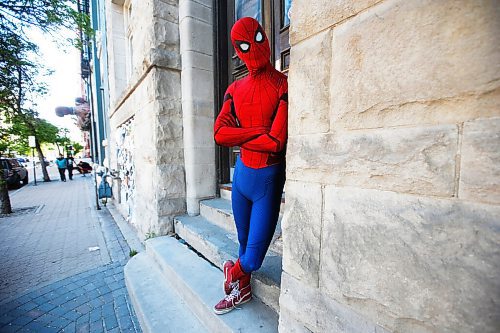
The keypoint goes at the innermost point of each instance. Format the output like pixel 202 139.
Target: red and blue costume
pixel 254 116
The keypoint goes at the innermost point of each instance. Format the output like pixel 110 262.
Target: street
pixel 62 262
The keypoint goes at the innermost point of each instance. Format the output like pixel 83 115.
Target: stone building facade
pixel 165 105
pixel 392 197
pixel 392 217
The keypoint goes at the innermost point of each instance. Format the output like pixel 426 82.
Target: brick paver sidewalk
pixel 52 277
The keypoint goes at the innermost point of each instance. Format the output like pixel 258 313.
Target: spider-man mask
pixel 251 43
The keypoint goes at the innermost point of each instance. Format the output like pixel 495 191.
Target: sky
pixel 64 85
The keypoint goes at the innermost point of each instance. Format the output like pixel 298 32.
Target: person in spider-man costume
pixel 253 116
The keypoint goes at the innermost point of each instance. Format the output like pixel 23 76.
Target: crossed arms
pixel 227 130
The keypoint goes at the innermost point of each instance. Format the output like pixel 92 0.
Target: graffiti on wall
pixel 126 167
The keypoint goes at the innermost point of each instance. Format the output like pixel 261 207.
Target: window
pixel 281 35
pixel 130 38
pixel 248 8
pixel 285 14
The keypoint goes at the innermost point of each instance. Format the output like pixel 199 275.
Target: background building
pixel 95 88
pixel 391 220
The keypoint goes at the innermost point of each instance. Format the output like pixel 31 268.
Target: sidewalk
pixel 62 262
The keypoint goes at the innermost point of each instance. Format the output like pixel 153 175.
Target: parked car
pixel 23 161
pixel 14 172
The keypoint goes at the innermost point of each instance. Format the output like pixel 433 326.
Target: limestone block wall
pixel 196 47
pixel 392 215
pixel 153 98
pixel 116 54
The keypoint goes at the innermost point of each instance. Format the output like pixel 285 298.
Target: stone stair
pixel 173 289
pixel 150 291
pixel 191 268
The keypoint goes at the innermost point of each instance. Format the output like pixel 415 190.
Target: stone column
pixel 153 98
pixel 196 47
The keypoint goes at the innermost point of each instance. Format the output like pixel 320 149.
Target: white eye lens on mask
pixel 244 46
pixel 259 37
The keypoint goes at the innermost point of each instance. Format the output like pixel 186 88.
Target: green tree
pixel 44 131
pixel 77 147
pixel 47 15
pixel 25 125
pixel 5 207
pixel 19 74
pixel 62 140
pixel 4 141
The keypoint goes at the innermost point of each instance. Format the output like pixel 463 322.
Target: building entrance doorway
pixel 274 17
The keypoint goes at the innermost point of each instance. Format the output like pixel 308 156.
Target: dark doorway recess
pixel 274 18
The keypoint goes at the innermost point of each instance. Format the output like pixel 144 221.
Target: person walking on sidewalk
pixel 62 164
pixel 254 116
pixel 71 165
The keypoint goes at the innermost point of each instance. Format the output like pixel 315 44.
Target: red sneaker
pixel 236 297
pixel 228 285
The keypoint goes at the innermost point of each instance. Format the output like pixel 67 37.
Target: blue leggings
pixel 256 199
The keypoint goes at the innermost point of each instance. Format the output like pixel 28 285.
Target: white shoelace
pixel 234 293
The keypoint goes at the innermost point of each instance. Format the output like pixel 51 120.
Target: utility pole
pixel 32 144
pixel 93 137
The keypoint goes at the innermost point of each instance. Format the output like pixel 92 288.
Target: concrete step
pixel 225 193
pixel 218 245
pixel 219 212
pixel 200 285
pixel 158 306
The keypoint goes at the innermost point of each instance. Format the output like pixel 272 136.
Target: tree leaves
pixel 19 74
pixel 15 136
pixel 18 71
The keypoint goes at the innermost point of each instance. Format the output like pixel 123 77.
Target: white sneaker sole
pixel 220 312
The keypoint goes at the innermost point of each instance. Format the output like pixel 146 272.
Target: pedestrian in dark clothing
pixel 62 164
pixel 83 168
pixel 71 164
